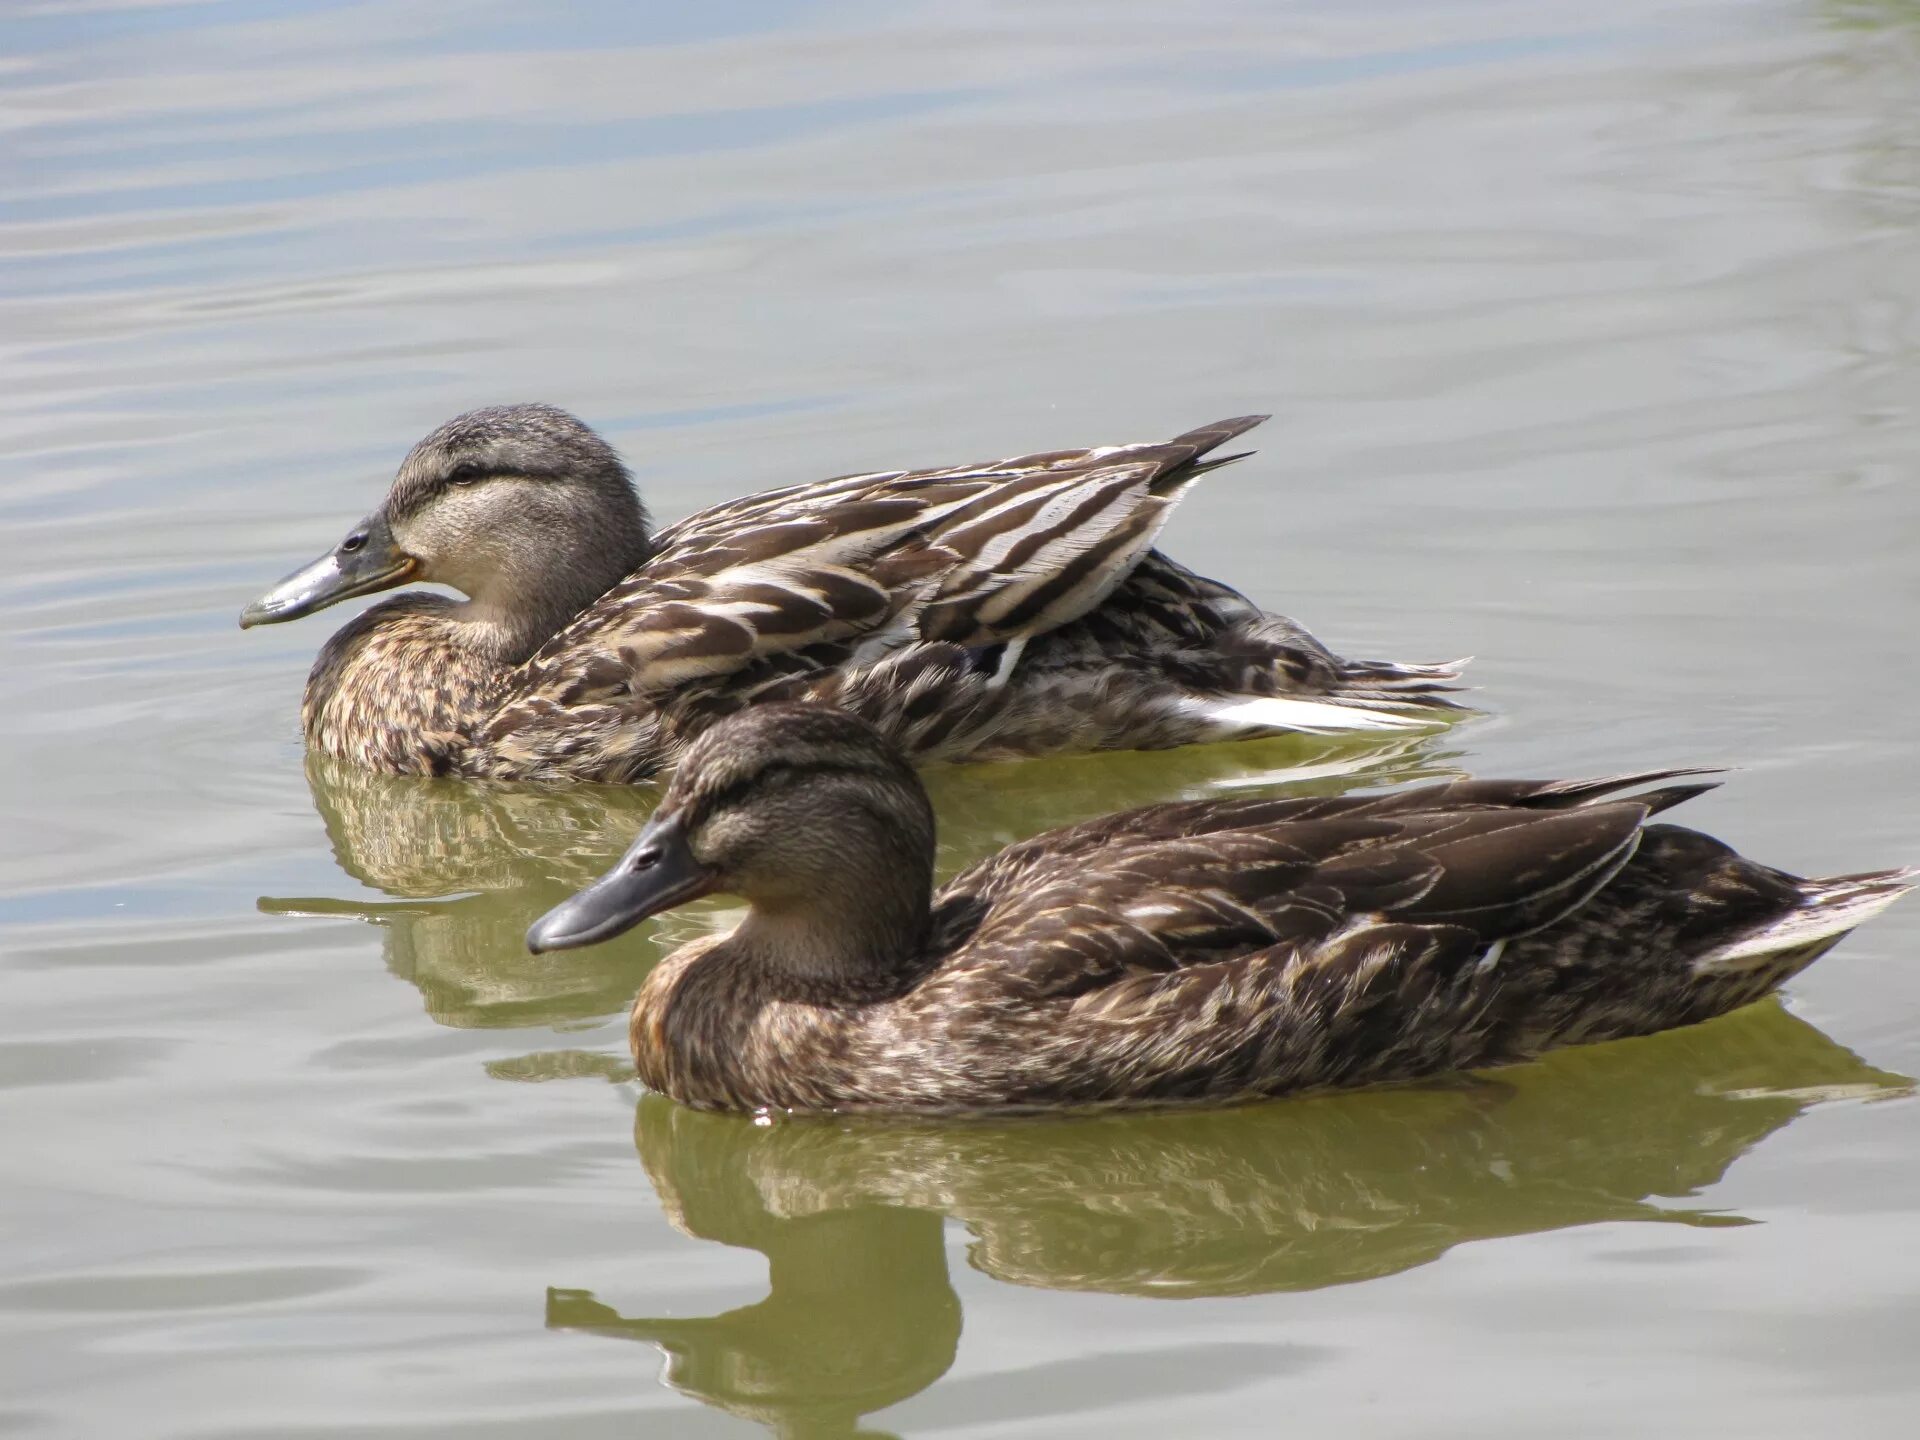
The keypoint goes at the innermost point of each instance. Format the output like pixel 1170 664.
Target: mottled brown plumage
pixel 1213 950
pixel 983 611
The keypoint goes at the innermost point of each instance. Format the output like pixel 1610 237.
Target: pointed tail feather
pixel 1668 796
pixel 1208 437
pixel 1189 448
pixel 1828 910
pixel 1603 787
pixel 1393 684
pixel 1371 695
pixel 1241 716
pixel 1218 462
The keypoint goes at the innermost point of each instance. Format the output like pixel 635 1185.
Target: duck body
pixel 1210 951
pixel 986 611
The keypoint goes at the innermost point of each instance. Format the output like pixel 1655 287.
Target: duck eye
pixel 464 474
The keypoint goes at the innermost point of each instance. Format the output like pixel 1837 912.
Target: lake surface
pixel 1592 341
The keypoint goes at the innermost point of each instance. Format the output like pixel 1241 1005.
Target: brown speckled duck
pixel 983 611
pixel 1213 950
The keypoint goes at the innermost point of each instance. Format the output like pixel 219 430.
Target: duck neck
pixel 862 941
pixel 527 598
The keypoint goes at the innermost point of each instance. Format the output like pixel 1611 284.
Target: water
pixel 1592 339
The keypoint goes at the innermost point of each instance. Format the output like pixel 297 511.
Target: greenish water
pixel 1592 342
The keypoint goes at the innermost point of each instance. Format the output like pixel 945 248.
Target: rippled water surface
pixel 1591 338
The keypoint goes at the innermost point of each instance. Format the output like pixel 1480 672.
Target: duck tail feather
pixel 1604 787
pixel 1217 462
pixel 1211 437
pixel 1668 796
pixel 1239 716
pixel 1828 909
pixel 1181 458
pixel 1392 680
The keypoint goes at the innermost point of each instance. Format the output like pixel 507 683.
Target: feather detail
pixel 1827 909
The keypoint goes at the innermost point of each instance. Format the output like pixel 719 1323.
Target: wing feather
pixel 1173 887
pixel 844 572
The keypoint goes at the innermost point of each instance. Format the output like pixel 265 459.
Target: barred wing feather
pixel 1264 881
pixel 868 564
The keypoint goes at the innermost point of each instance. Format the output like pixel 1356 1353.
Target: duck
pixel 1214 950
pixel 999 610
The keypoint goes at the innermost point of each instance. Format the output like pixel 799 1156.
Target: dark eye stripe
pixel 778 773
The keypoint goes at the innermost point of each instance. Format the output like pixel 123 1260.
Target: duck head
pixel 804 811
pixel 522 508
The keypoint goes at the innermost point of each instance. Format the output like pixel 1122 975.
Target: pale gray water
pixel 1592 342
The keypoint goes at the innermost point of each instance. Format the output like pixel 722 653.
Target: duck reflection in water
pixel 469 866
pixel 1286 1196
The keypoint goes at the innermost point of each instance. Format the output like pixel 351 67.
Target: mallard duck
pixel 983 611
pixel 1211 950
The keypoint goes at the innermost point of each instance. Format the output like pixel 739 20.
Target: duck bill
pixel 657 873
pixel 366 561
